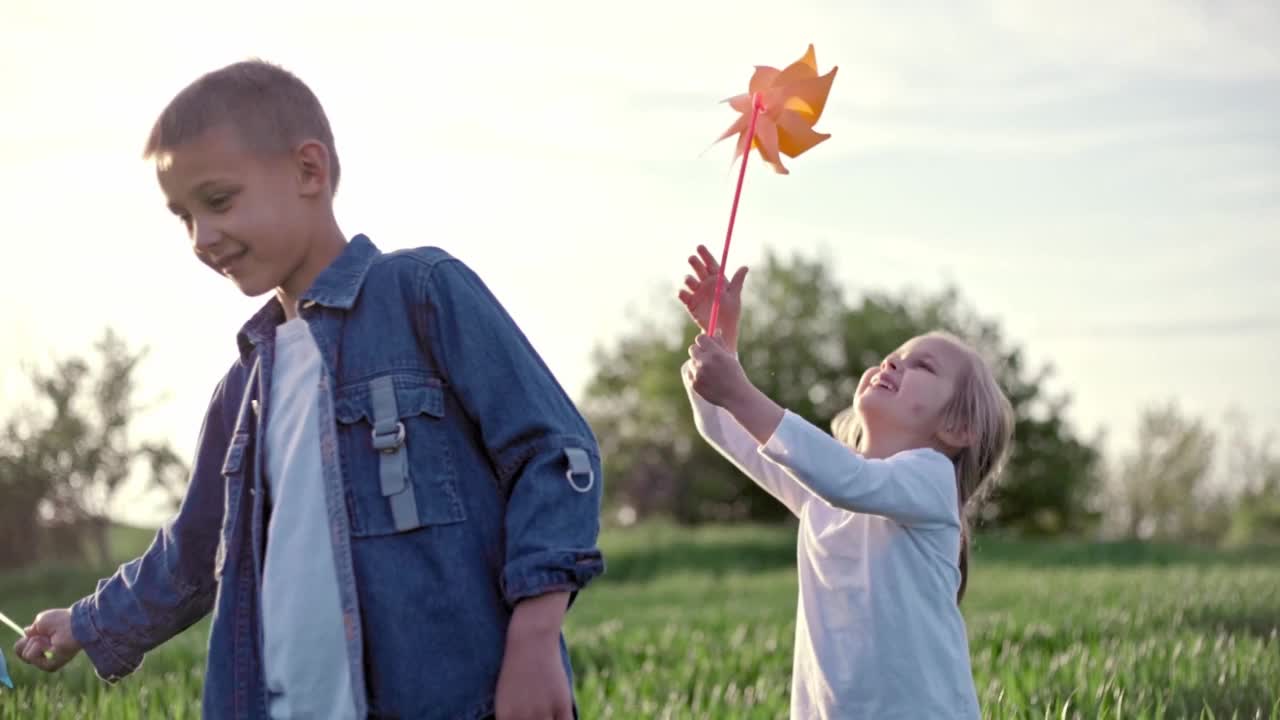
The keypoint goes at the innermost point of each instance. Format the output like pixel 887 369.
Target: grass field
pixel 698 624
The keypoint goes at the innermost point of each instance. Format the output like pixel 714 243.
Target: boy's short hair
pixel 268 106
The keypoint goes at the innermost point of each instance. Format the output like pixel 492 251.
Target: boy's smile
pixel 227 265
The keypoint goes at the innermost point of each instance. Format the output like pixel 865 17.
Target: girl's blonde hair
pixel 978 406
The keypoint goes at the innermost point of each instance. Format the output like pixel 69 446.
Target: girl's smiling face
pixel 906 394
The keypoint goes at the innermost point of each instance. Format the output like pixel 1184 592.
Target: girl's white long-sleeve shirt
pixel 878 632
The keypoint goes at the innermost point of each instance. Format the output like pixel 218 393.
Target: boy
pixel 393 501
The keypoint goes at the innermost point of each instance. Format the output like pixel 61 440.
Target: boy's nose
pixel 204 237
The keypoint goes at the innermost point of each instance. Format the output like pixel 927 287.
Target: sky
pixel 1104 183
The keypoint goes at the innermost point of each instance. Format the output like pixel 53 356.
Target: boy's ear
pixel 312 162
pixel 957 437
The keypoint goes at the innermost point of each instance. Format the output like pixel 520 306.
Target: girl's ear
pixel 958 437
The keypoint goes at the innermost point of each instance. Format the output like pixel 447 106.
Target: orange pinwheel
pixel 788 104
pixel 779 111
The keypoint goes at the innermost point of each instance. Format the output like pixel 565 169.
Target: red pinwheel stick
pixel 757 106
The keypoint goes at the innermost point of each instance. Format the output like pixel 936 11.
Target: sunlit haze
pixel 1103 182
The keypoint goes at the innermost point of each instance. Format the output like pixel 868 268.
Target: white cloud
pixel 1216 41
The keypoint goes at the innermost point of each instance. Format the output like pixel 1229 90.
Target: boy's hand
pixel 700 290
pixel 532 684
pixel 51 631
pixel 717 375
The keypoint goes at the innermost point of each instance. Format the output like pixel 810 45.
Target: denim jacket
pixel 459 477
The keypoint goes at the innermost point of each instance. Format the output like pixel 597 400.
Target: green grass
pixel 698 624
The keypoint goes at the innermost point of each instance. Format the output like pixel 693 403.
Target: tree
pixel 804 346
pixel 60 468
pixel 1163 490
pixel 1253 473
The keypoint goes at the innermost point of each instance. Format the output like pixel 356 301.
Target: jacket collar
pixel 337 286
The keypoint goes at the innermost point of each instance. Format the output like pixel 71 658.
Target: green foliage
pixel 63 460
pixel 1163 489
pixel 699 624
pixel 1184 480
pixel 805 346
pixel 1254 467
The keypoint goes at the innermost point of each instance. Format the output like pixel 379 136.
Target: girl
pixel 882 542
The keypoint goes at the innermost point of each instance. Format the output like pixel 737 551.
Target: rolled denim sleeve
pixel 171 586
pixel 545 455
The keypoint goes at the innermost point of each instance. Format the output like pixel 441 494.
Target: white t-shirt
pixel 306 667
pixel 878 632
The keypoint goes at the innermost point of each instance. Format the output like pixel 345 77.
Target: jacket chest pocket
pixel 395 454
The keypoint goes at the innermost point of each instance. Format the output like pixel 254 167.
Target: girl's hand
pixel 865 380
pixel 717 375
pixel 699 292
